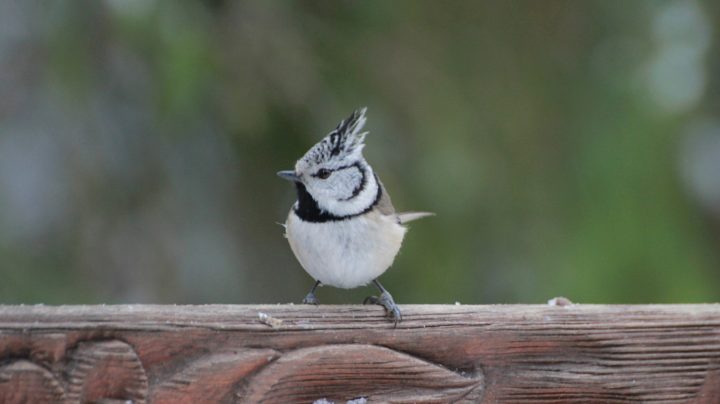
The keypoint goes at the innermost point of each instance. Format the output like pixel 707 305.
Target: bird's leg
pixel 385 300
pixel 310 297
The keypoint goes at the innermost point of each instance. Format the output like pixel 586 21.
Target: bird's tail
pixel 406 217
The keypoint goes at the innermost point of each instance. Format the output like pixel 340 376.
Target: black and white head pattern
pixel 336 182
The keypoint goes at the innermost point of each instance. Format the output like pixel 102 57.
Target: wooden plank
pixel 289 353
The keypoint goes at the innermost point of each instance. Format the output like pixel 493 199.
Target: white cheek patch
pixel 349 182
pixel 364 199
pixel 350 189
pixel 340 185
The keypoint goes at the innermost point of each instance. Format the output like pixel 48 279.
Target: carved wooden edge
pixel 285 353
pixel 351 371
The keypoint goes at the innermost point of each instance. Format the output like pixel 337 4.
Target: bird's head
pixel 334 173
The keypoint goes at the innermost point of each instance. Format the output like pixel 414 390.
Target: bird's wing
pixel 406 217
pixel 384 205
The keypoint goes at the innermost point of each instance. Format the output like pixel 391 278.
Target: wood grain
pixel 288 354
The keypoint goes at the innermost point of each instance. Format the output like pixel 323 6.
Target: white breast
pixel 347 253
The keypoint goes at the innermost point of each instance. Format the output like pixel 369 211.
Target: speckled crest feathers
pixel 344 141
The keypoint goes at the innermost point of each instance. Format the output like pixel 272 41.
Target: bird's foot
pixel 385 300
pixel 311 299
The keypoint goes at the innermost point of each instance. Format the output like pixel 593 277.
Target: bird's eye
pixel 323 174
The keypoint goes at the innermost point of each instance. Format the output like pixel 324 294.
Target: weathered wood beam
pixel 287 353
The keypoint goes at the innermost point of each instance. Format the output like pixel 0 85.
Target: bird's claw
pixel 386 301
pixel 311 299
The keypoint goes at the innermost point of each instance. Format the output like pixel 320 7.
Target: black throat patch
pixel 308 210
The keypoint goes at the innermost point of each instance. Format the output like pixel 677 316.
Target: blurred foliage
pixel 568 148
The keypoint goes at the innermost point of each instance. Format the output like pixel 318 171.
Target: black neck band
pixel 308 210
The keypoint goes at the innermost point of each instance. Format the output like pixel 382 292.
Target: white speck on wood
pixel 559 301
pixel 268 320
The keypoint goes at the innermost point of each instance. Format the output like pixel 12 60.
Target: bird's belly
pixel 347 253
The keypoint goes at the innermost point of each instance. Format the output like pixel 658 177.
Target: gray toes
pixel 386 301
pixel 310 299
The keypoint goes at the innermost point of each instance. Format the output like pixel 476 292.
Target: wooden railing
pixel 287 353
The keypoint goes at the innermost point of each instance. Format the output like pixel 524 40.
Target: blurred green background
pixel 568 148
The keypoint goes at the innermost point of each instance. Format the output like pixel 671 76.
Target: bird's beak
pixel 289 175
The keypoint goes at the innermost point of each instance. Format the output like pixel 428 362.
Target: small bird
pixel 343 227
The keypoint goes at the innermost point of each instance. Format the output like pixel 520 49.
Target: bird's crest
pixel 344 141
